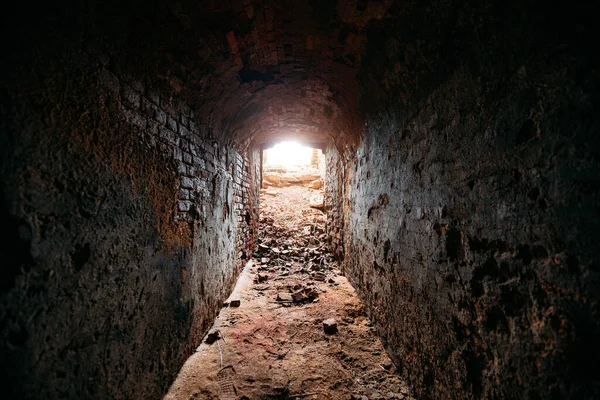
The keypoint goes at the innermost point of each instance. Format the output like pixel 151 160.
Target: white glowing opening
pixel 288 153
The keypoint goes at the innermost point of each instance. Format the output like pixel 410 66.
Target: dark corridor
pixel 462 193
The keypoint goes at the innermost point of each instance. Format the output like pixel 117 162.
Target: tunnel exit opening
pixel 292 217
pixel 290 165
pixel 288 154
pixel 292 181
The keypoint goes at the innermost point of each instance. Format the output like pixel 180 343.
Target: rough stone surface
pixel 470 212
pixel 461 195
pixel 124 226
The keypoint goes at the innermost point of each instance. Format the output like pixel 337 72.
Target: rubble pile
pixel 293 246
pixel 300 175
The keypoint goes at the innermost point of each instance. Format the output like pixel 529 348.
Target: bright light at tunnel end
pixel 289 153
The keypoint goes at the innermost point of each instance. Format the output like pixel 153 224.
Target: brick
pixel 184 205
pixel 153 128
pixel 187 183
pixel 167 105
pixel 185 132
pixel 330 326
pixel 183 120
pixel 168 136
pixel 199 162
pixel 130 97
pixel 132 117
pixel 184 145
pixel 147 108
pixel 160 116
pixel 199 184
pixel 172 124
pixel 177 154
pixel 184 194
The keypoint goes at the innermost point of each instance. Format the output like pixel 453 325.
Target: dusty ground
pixel 273 346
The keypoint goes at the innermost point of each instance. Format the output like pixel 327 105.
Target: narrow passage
pixel 300 331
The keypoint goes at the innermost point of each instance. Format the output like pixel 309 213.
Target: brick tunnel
pixel 462 190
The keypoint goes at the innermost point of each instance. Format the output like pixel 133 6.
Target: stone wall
pixel 124 222
pixel 471 205
pixel 465 217
pixel 334 199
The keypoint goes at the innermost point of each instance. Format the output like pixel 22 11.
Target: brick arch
pixel 267 70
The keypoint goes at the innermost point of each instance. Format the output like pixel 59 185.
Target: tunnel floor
pixel 274 344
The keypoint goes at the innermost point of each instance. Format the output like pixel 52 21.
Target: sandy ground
pixel 273 346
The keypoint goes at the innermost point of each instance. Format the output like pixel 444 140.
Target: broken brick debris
pixel 330 326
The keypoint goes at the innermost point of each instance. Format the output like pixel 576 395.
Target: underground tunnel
pixel 460 197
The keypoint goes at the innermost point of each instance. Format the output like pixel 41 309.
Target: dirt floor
pixel 274 344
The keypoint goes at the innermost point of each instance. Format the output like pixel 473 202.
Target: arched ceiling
pixel 265 70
